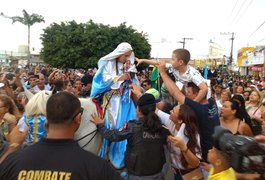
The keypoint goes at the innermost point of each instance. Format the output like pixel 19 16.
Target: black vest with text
pixel 145 151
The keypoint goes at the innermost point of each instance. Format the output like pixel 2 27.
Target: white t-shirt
pixel 174 151
pixel 191 75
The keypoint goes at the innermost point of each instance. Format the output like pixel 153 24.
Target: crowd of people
pixel 146 131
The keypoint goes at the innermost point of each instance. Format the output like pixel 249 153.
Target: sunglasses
pixel 80 111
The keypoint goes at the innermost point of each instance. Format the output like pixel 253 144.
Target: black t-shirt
pixel 207 119
pixel 56 159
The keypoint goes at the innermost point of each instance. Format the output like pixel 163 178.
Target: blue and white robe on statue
pixel 120 108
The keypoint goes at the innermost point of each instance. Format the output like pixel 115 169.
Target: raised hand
pixel 177 141
pixel 139 61
pixel 136 89
pixel 10 118
pixel 124 77
pixel 96 120
pixel 162 67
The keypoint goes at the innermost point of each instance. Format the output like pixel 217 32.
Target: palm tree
pixel 28 20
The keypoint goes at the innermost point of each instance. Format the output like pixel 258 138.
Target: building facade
pixel 250 60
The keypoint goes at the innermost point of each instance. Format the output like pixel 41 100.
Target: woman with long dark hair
pixel 244 114
pixel 184 144
pixel 144 156
pixel 231 119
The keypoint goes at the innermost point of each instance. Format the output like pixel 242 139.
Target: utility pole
pixel 232 44
pixel 184 41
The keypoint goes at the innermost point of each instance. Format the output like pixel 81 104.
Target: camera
pixel 246 155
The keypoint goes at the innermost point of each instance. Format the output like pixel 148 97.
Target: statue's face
pixel 125 57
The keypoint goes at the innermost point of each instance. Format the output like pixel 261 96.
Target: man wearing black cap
pixel 144 156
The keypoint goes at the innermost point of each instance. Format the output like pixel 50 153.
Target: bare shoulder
pixel 245 129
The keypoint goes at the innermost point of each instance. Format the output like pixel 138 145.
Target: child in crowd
pixel 221 167
pixel 183 72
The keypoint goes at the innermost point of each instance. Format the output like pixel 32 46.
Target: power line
pixel 261 39
pixel 238 11
pixel 256 30
pixel 233 10
pixel 242 14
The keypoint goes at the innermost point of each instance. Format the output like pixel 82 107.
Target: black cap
pixel 218 136
pixel 146 99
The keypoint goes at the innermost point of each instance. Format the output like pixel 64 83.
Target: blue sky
pixel 165 22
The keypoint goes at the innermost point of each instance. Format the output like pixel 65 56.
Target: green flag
pixel 154 74
pixel 154 77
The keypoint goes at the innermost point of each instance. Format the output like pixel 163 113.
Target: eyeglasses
pixel 80 111
pixel 144 85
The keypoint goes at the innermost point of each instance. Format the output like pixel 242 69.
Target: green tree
pixel 28 20
pixel 74 45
